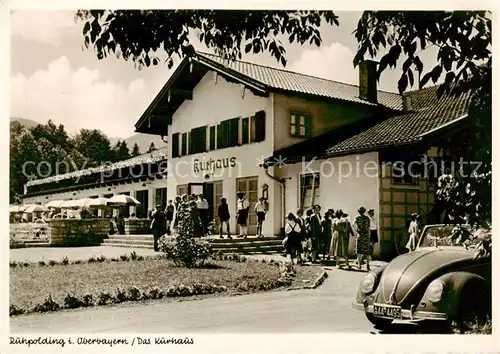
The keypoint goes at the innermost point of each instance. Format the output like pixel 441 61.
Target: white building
pixel 225 119
pixel 140 177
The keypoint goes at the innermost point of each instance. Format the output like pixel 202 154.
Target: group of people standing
pixel 328 235
pixel 242 210
pixel 164 220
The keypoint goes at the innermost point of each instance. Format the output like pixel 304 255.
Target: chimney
pixel 407 107
pixel 368 80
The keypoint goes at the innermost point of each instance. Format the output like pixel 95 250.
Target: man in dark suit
pixel 316 231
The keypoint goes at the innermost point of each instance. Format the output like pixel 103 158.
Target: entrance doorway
pixel 249 187
pixel 212 191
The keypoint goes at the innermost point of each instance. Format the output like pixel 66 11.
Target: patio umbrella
pixel 123 200
pixel 16 208
pixel 54 203
pixel 68 204
pixel 81 203
pixel 34 208
pixel 98 202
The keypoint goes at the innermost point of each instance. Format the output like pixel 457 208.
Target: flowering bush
pixel 185 250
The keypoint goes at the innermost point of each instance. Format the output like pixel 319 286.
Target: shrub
pixel 88 300
pixel 92 259
pixel 133 256
pixel 52 262
pixel 134 293
pixel 156 293
pixel 26 264
pixel 13 264
pixel 121 296
pixel 72 302
pixel 105 298
pixel 124 257
pixel 14 310
pixel 114 259
pixel 47 306
pixel 140 258
pixel 186 250
pixel 41 263
pixel 77 261
pixel 101 258
pixel 65 260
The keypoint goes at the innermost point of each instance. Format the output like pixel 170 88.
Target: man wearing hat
pixel 159 225
pixel 242 214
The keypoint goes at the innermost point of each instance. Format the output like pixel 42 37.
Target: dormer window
pixel 300 124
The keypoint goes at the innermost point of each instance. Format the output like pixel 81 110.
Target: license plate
pixel 387 311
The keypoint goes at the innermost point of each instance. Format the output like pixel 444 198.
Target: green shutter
pixel 175 145
pixel 308 122
pixel 234 125
pixel 260 126
pixel 219 136
pixel 192 141
pixel 245 130
pixel 202 138
pixel 184 144
pixel 212 137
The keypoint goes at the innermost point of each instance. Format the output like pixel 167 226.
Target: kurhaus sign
pixel 212 165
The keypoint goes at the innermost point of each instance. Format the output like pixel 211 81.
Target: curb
pixel 317 283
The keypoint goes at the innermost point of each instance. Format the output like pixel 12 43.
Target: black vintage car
pixel 439 282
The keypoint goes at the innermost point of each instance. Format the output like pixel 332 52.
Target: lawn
pixel 32 285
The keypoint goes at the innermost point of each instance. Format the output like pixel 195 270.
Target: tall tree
pixel 152 147
pixel 123 151
pixel 93 144
pixel 135 150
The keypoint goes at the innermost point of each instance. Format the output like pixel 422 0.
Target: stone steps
pixel 250 245
pixel 127 242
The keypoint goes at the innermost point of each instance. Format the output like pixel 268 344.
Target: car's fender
pixel 461 290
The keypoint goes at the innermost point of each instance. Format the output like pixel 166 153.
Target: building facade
pixel 293 139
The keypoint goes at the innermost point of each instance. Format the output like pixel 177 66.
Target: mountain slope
pixel 28 123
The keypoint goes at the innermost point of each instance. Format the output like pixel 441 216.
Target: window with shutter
pixel 260 126
pixel 245 131
pixel 212 137
pixel 300 124
pixel 233 134
pixel 175 145
pixel 184 144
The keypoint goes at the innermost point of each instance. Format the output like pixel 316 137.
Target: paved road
pixel 326 309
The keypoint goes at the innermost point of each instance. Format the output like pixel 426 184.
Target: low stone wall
pixel 137 226
pixel 20 233
pixel 78 232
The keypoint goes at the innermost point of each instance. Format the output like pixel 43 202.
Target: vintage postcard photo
pixel 240 171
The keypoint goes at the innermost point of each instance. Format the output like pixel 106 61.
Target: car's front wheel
pixel 379 323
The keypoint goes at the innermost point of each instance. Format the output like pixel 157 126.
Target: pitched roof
pixel 147 158
pixel 429 114
pixel 280 79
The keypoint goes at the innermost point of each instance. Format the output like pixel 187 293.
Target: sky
pixel 54 77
